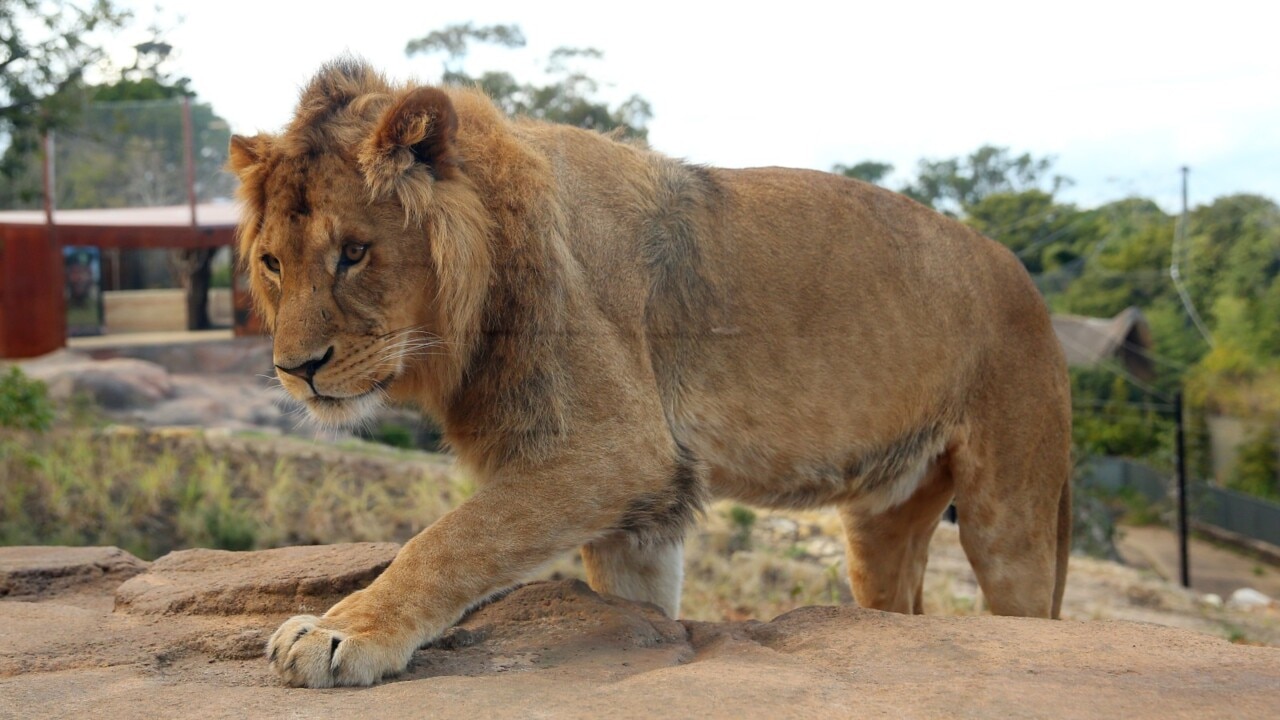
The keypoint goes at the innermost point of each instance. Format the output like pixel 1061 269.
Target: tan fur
pixel 608 335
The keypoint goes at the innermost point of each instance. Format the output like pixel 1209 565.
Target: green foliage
pixel 1127 261
pixel 570 97
pixel 866 171
pixel 1257 466
pixel 1045 235
pixel 743 519
pixel 395 435
pixel 1114 418
pixel 24 402
pixel 954 185
pixel 453 39
pixel 151 493
pixel 125 148
pixel 45 48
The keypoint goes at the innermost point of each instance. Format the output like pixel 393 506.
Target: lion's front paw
pixel 308 651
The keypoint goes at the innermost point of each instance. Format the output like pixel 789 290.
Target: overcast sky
pixel 1122 93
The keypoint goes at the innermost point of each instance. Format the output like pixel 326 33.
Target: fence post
pixel 1181 459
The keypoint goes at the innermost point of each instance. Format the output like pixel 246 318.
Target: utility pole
pixel 1185 172
pixel 1175 272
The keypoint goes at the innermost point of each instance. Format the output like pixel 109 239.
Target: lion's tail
pixel 1064 547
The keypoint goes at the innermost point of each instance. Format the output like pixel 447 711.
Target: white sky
pixel 1123 93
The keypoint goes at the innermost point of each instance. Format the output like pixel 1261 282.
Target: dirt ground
pixel 184 637
pixel 1214 568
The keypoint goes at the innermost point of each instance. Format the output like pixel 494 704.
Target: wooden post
pixel 188 156
pixel 46 176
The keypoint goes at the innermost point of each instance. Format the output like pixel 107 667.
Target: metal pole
pixel 1181 459
pixel 188 156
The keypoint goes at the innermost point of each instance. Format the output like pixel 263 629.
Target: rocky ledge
pixel 95 632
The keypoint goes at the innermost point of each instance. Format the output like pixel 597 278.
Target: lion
pixel 609 337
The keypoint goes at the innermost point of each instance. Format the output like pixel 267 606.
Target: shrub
pixel 1257 466
pixel 24 402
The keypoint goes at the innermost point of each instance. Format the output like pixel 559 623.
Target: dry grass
pixel 152 492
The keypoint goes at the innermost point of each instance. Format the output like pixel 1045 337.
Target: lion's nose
pixel 308 369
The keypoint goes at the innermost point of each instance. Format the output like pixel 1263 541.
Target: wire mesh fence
pixel 128 154
pixel 1243 515
pixel 135 154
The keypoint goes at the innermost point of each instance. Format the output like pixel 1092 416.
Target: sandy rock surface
pixel 185 639
pixel 219 582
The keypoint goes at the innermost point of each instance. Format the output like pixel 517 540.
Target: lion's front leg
pixel 487 544
pixel 357 642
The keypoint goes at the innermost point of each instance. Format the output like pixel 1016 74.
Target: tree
pixel 866 171
pixel 1127 260
pixel 45 48
pixel 1234 251
pixel 569 98
pixel 956 184
pixel 1043 234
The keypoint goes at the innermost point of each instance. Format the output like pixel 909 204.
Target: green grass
pixel 151 493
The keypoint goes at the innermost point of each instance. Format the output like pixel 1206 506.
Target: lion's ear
pixel 418 131
pixel 244 153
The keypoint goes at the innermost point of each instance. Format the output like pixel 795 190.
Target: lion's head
pixel 363 239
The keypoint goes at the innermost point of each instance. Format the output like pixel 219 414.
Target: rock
pixel 185 411
pixel 1212 600
pixel 779 529
pixel 823 548
pixel 286 580
pixel 115 384
pixel 34 573
pixel 560 650
pixel 555 625
pixel 1248 599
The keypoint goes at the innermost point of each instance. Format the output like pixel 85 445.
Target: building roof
pixel 209 215
pixel 1125 338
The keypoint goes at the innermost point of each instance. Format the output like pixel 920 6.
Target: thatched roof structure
pixel 1125 338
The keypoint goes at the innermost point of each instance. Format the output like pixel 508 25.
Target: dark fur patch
pixel 286 188
pixel 517 396
pixel 879 466
pixel 866 470
pixel 683 306
pixel 665 515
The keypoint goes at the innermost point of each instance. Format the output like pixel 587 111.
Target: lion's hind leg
pixel 645 570
pixel 1013 506
pixel 888 548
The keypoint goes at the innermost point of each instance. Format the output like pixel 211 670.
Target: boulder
pixel 186 640
pixel 41 572
pixel 292 580
pixel 115 384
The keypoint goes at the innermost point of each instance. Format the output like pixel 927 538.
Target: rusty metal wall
pixel 32 314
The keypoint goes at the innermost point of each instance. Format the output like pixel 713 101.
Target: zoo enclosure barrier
pixel 1244 515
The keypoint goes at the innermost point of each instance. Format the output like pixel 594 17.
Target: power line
pixel 1180 243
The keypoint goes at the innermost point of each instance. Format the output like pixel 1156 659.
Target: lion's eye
pixel 272 263
pixel 352 253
